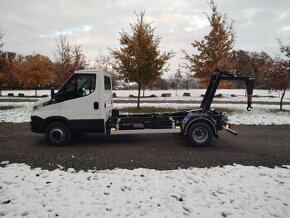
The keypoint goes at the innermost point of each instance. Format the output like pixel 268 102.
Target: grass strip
pixel 8 107
pixel 279 111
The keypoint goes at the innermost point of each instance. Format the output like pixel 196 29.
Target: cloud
pixel 71 31
pixel 34 25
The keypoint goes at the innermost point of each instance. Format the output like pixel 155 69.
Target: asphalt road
pixel 255 145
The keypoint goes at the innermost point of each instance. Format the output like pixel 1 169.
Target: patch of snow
pixel 21 113
pixel 260 115
pixel 229 191
pixel 195 94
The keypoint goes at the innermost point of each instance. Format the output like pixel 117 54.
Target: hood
pixel 42 101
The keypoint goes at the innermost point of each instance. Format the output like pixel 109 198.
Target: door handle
pixel 96 105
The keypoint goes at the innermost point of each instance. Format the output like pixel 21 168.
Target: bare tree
pixel 78 59
pixel 104 62
pixel 1 63
pixel 178 78
pixel 108 63
pixel 188 78
pixel 285 73
pixel 277 77
pixel 68 59
pixel 63 59
pixel 1 37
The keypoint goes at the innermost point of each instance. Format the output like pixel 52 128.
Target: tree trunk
pixel 35 92
pixel 138 99
pixel 281 100
pixel 143 91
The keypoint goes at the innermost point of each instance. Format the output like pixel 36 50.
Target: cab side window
pixel 85 85
pixel 107 82
pixel 79 85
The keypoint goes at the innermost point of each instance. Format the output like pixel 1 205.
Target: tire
pixel 200 134
pixel 57 134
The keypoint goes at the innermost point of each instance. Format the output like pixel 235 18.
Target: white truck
pixel 84 104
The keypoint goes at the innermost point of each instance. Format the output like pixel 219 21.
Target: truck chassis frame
pixel 198 125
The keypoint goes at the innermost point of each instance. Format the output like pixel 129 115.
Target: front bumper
pixel 37 124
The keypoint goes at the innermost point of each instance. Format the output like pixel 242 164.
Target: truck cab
pixel 81 105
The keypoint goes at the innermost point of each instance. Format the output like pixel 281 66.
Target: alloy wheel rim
pixel 200 134
pixel 57 135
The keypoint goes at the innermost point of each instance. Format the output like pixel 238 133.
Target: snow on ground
pixel 21 113
pixel 260 115
pixel 229 191
pixel 263 95
pixel 195 94
pixel 198 92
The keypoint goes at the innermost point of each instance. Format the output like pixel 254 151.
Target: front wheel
pixel 200 134
pixel 57 133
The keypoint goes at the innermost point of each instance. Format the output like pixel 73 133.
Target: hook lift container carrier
pixel 84 104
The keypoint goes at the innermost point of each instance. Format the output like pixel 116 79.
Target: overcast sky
pixel 33 25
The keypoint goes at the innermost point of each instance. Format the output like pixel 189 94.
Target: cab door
pixel 79 103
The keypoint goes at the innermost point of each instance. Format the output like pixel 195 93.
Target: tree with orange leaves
pixel 139 59
pixel 214 49
pixel 36 70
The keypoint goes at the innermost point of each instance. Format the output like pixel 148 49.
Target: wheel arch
pixel 53 119
pixel 203 120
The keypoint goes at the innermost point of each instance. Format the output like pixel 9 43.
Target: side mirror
pixel 52 93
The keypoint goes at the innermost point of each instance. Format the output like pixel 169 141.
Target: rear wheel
pixel 200 134
pixel 57 133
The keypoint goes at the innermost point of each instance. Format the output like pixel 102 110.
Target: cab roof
pixel 94 71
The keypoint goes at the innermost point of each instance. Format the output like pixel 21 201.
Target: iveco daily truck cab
pixel 84 104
